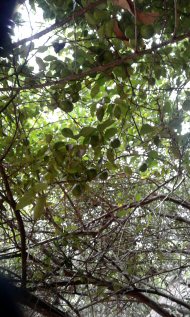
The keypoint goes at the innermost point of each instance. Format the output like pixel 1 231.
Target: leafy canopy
pixel 94 157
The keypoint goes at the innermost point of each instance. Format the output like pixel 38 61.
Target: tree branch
pixel 12 203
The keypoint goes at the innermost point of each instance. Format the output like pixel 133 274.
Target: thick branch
pixel 37 304
pixel 12 203
pixel 101 68
pixel 150 303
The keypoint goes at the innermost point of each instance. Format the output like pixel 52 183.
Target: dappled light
pixel 95 157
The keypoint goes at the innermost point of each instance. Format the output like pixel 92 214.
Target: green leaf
pixel 95 140
pixel 100 113
pixel 87 131
pixel 42 49
pixel 153 154
pixel 38 187
pixel 67 106
pixel 156 140
pixel 39 209
pixel 146 129
pixel 68 133
pixel 95 90
pixel 50 58
pixel 90 19
pixel 121 213
pixel 109 133
pixel 102 126
pixel 117 111
pixel 41 64
pixel 26 200
pixel 128 171
pixel 110 155
pixel 138 197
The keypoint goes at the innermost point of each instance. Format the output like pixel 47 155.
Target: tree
pixel 94 159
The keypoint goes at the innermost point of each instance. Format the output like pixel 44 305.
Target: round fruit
pixel 91 173
pixel 67 106
pixel 77 190
pixel 115 143
pixel 104 175
pixel 186 105
pixel 143 167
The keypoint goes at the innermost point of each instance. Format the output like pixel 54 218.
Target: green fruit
pixel 186 105
pixel 147 31
pixel 91 173
pixel 77 190
pixel 115 143
pixel 103 176
pixel 151 81
pixel 143 167
pixel 67 106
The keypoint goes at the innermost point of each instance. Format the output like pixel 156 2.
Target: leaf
pixel 39 209
pixel 147 18
pixel 41 64
pixel 67 106
pixel 25 200
pixel 128 171
pixel 156 140
pixel 87 131
pixel 109 133
pixel 95 140
pixel 38 187
pixel 42 49
pixel 146 129
pixel 50 58
pixel 138 197
pixel 108 26
pixel 110 155
pixel 95 90
pixel 121 213
pixel 100 113
pixel 58 46
pixel 101 127
pixel 153 154
pixel 117 111
pixel 125 4
pixel 90 19
pixel 68 133
pixel 118 33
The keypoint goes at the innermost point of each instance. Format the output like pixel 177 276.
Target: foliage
pixel 94 158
